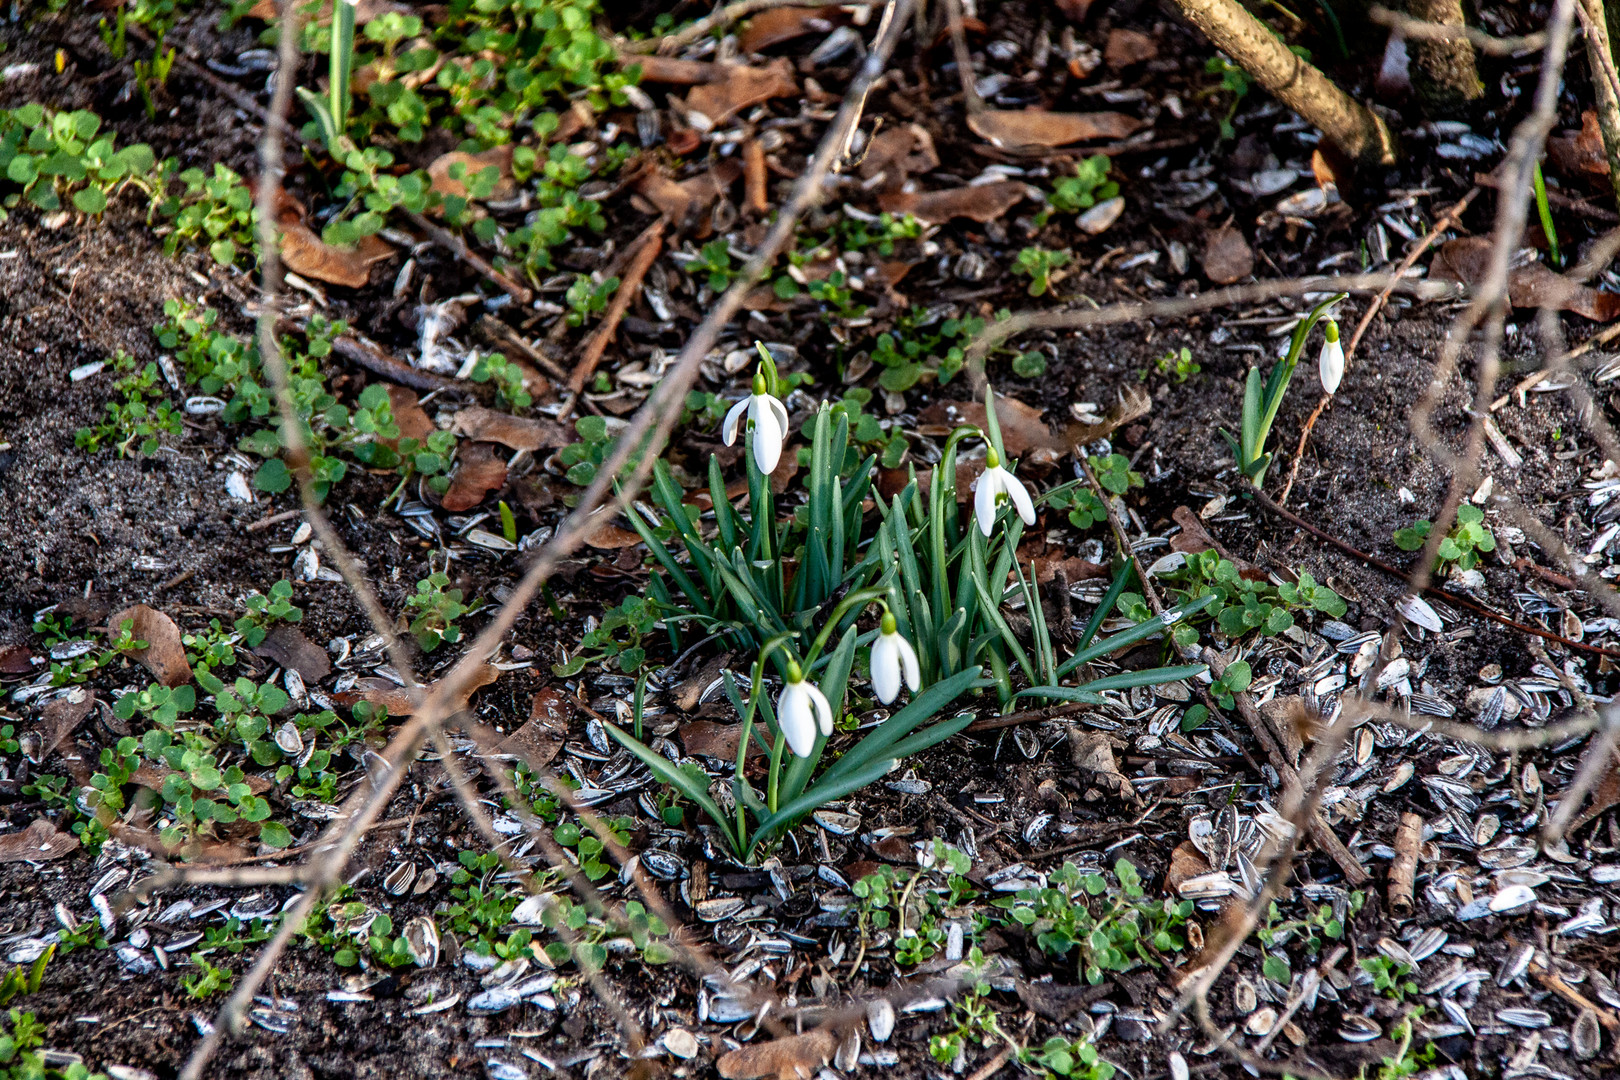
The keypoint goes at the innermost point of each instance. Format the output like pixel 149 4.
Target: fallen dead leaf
pixel 1074 568
pixel 983 203
pixel 1128 47
pixel 499 158
pixel 1581 152
pixel 737 87
pixel 1227 256
pixel 479 471
pixel 776 25
pixel 62 717
pixel 16 660
pixel 609 537
pixel 689 692
pixel 402 702
pixel 1073 10
pixel 288 646
pixel 364 12
pixel 1133 404
pixel 1186 862
pixel 164 655
pixel 306 254
pixel 685 201
pixel 413 420
pixel 40 842
pixel 1094 758
pixel 796 1057
pixel 1022 428
pixel 907 151
pixel 1010 129
pixel 669 71
pixel 1535 285
pixel 515 432
pixel 710 739
pixel 543 733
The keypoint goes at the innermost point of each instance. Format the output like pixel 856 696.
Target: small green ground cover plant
pixel 1239 605
pixel 1468 540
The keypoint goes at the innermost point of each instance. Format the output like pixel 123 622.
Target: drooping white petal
pixel 886 667
pixel 908 658
pixel 779 411
pixel 728 430
pixel 986 488
pixel 768 435
pixel 823 710
pixel 1332 366
pixel 1020 497
pixel 794 715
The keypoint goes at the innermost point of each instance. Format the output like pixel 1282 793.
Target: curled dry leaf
pixel 306 254
pixel 164 655
pixel 609 537
pixel 16 660
pixel 479 471
pixel 515 432
pixel 499 157
pixel 685 201
pixel 62 717
pixel 1022 428
pixel 736 87
pixel 288 646
pixel 1127 47
pixel 985 202
pixel 796 1057
pixel 1186 862
pixel 1094 758
pixel 669 71
pixel 901 152
pixel 1133 404
pixel 1227 256
pixel 1074 569
pixel 40 842
pixel 1467 260
pixel 543 733
pixel 413 420
pixel 1581 152
pixel 776 25
pixel 1011 129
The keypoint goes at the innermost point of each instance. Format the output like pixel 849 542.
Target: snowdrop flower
pixel 992 484
pixel 800 709
pixel 893 655
pixel 1332 362
pixel 770 425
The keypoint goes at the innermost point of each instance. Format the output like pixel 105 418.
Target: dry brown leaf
pixel 402 702
pixel 1010 129
pixel 669 71
pixel 796 1057
pixel 683 202
pixel 737 87
pixel 1127 47
pixel 1133 404
pixel 543 733
pixel 306 254
pixel 364 12
pixel 1075 10
pixel 983 203
pixel 1074 569
pixel 689 692
pixel 164 655
pixel 499 157
pixel 479 471
pixel 515 432
pixel 908 151
pixel 1094 758
pixel 1022 428
pixel 1186 862
pixel 62 717
pixel 710 739
pixel 756 192
pixel 40 842
pixel 1581 152
pixel 1227 256
pixel 1467 260
pixel 288 646
pixel 776 25
pixel 609 537
pixel 413 420
pixel 16 660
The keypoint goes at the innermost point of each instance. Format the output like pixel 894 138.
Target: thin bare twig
pixel 1420 30
pixel 717 21
pixel 1115 314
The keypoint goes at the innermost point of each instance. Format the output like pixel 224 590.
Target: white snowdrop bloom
pixel 1332 361
pixel 892 658
pixel 770 422
pixel 800 710
pixel 992 484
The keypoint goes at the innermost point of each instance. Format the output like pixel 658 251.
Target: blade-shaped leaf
pixel 1146 628
pixel 885 735
pixel 824 792
pixel 668 773
pixel 1110 598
